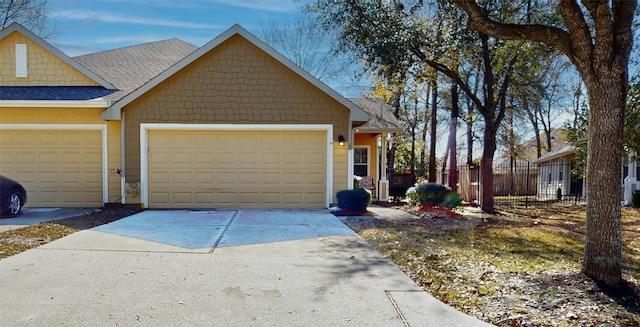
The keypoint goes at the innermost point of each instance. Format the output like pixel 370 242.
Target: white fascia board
pixel 94 103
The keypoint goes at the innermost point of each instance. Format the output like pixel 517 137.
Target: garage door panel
pixel 242 169
pixel 57 167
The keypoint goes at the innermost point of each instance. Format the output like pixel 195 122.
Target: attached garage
pixel 59 165
pixel 236 166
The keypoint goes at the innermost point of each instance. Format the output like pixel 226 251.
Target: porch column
pixel 383 182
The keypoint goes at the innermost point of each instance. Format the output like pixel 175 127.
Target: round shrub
pixel 433 194
pixel 356 200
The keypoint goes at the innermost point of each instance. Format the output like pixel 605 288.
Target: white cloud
pixel 111 18
pixel 268 5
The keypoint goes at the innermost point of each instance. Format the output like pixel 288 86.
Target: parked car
pixel 12 197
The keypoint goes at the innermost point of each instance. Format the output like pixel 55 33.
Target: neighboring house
pixel 232 124
pixel 631 178
pixel 554 172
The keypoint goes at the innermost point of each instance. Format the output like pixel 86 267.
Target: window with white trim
pixel 361 161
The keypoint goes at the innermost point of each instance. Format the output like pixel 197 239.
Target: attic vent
pixel 21 60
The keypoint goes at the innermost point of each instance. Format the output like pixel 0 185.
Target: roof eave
pixel 363 130
pixel 111 113
pixel 93 103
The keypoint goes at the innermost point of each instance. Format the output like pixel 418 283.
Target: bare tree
pixel 308 46
pixel 31 14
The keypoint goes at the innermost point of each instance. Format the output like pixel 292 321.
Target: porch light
pixel 341 140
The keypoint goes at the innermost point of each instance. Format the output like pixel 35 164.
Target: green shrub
pixel 433 194
pixel 356 200
pixel 451 200
pixel 635 199
pixel 397 192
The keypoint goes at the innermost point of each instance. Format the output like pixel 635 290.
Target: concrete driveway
pixel 32 216
pixel 215 268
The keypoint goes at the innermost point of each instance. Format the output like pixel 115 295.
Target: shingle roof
pixel 562 151
pixel 53 92
pixel 131 67
pixel 381 119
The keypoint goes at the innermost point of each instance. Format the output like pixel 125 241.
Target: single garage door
pixel 237 169
pixel 58 168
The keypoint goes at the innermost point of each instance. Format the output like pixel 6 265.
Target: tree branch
pixel 479 21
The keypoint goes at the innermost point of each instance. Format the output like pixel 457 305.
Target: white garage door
pixel 237 169
pixel 58 168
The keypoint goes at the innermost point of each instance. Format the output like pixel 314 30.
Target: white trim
pixel 113 113
pixel 123 166
pixel 94 103
pixel 144 146
pixel 75 127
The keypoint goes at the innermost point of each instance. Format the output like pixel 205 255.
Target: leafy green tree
pixel 392 35
pixel 597 37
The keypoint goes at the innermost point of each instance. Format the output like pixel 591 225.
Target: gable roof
pixel 130 67
pixel 561 152
pixel 115 111
pixel 381 119
pixel 15 27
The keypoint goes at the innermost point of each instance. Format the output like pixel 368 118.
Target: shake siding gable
pixel 44 68
pixel 235 83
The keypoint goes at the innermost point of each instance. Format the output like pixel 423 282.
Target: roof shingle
pixel 381 119
pixel 130 67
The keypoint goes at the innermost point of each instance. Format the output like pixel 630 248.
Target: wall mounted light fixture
pixel 341 140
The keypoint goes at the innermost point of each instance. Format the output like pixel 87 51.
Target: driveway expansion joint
pixel 226 227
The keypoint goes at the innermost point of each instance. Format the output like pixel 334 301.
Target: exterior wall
pixel 340 168
pixel 547 186
pixel 44 68
pixel 235 83
pixel 74 116
pixel 372 141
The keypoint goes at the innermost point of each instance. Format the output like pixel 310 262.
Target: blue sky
pixel 85 26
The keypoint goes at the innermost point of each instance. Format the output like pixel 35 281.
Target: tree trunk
pixel 469 124
pixel 453 132
pixel 602 253
pixel 391 158
pixel 486 168
pixel 433 135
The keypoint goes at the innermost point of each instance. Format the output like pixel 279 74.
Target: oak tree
pixel 597 37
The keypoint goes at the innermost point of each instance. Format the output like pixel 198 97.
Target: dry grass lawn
pixel 518 268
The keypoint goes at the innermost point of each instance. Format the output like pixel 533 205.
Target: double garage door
pixel 58 168
pixel 237 169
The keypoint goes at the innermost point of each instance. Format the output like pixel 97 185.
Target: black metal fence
pixel 523 183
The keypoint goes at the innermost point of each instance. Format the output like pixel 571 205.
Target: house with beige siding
pixel 232 124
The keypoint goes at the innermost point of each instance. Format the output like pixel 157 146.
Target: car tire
pixel 15 203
